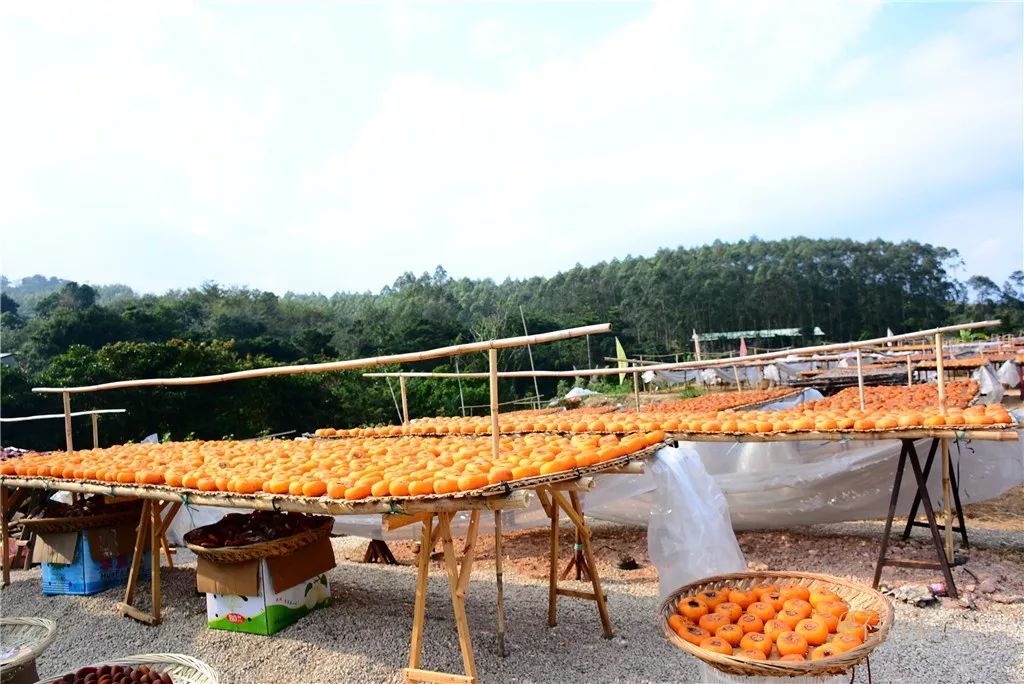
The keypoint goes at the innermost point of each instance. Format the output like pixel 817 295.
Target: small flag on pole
pixel 620 354
pixel 743 347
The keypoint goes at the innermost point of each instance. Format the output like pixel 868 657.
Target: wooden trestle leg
pixel 458 584
pixel 3 535
pixel 147 538
pixel 909 453
pixel 573 509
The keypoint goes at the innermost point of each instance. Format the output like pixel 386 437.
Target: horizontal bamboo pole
pixel 351 364
pixel 687 365
pixel 60 415
pixel 267 502
pixel 1006 435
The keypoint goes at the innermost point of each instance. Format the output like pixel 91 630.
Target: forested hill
pixel 79 334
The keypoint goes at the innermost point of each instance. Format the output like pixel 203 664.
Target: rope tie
pixel 577 547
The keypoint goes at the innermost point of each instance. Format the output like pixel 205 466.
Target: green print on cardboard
pixel 270 614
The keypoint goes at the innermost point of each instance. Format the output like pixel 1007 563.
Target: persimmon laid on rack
pixel 350 469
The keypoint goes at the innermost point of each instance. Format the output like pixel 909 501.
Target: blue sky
pixel 329 146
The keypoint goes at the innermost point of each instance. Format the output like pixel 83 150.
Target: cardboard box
pixel 86 562
pixel 264 596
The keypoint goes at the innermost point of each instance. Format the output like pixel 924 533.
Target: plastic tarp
pixel 689 535
pixel 782 484
pixel 1009 373
pixel 989 387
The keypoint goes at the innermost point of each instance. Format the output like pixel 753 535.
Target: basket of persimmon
pixel 777 624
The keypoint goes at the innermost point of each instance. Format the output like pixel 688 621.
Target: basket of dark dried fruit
pixel 149 668
pixel 239 537
pixel 85 514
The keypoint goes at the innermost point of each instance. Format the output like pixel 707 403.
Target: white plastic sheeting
pixel 688 534
pixel 989 387
pixel 1009 373
pixel 782 484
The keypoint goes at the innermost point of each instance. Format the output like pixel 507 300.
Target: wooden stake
pixel 736 375
pixel 947 498
pixel 940 373
pixel 95 431
pixel 499 581
pixel 636 390
pixel 3 537
pixel 419 611
pixel 860 379
pixel 529 352
pixel 492 363
pixel 910 373
pixel 67 421
pixel 154 556
pixel 405 400
pixel 462 399
pixel 553 567
pixel 137 555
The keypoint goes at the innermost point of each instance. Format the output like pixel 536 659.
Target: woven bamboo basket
pixel 857 596
pixel 118 518
pixel 22 640
pixel 183 669
pixel 267 549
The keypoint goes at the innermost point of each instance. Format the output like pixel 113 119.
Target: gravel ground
pixel 364 635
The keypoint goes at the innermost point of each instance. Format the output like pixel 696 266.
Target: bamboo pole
pixel 351 364
pixel 712 363
pixel 95 431
pixel 910 372
pixel 1009 434
pixel 736 376
pixel 940 373
pixel 420 604
pixel 47 416
pixel 405 400
pixel 67 421
pixel 398 410
pixel 636 390
pixel 154 555
pixel 529 352
pixel 492 362
pixel 462 399
pixel 860 379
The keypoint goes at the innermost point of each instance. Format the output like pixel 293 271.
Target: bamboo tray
pixel 857 596
pixel 183 669
pixel 267 549
pixel 125 516
pixel 22 640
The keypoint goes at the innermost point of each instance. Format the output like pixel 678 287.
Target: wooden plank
pixel 572 593
pixel 584 484
pixel 136 614
pixel 574 515
pixel 414 675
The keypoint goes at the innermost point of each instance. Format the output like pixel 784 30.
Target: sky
pixel 323 147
